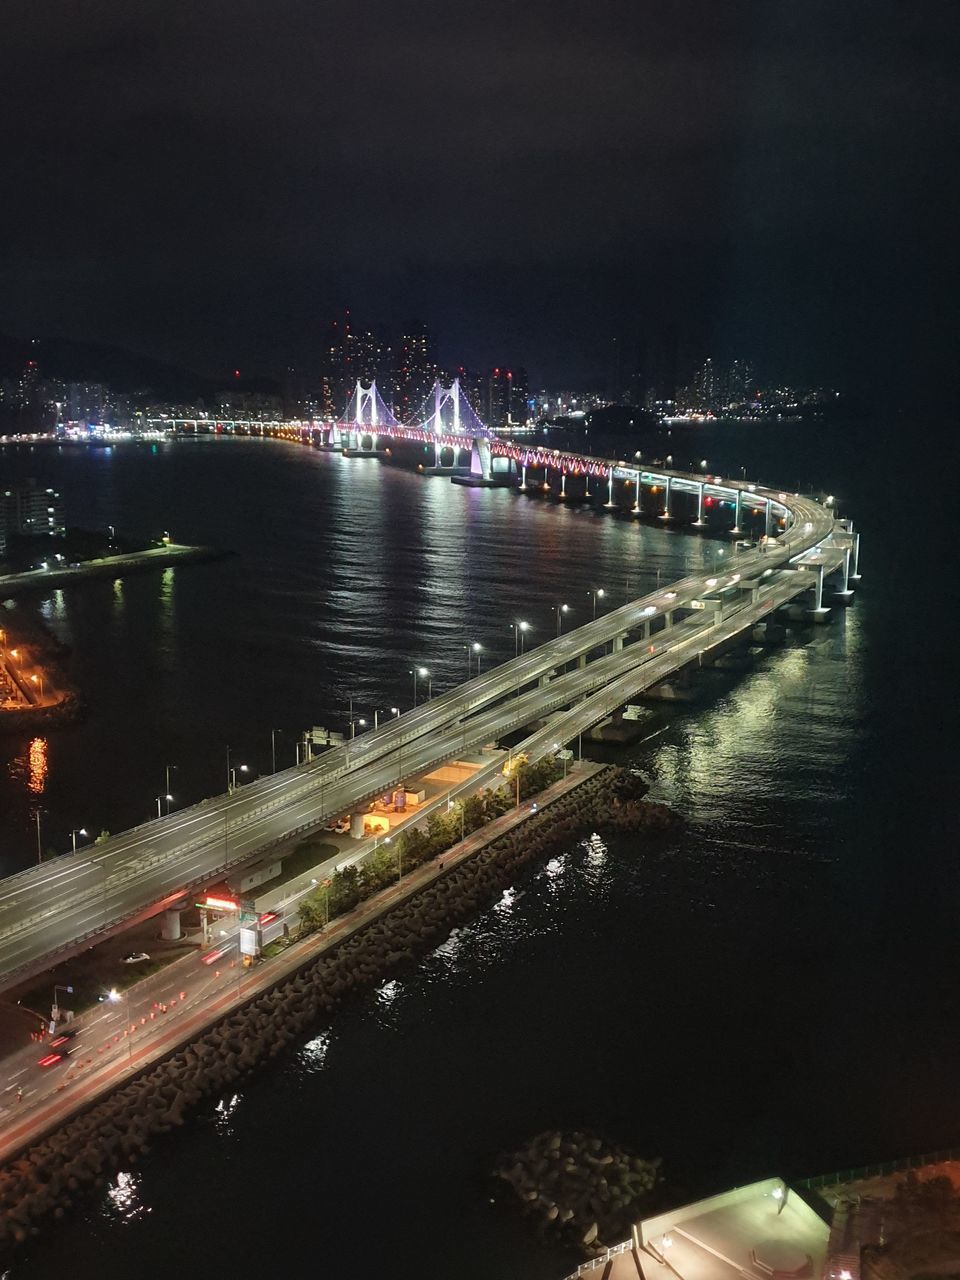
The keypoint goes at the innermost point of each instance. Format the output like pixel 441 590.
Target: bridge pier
pixel 667 514
pixel 610 504
pixel 855 574
pixel 698 523
pixel 768 517
pixel 736 518
pixel 356 826
pixel 638 500
pixel 523 477
pixel 819 613
pixel 617 644
pixel 563 485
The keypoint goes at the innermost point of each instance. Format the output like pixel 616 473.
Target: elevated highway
pixel 565 685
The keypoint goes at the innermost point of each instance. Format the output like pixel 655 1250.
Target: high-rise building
pixel 29 510
pixel 415 371
pixel 507 397
pixel 705 385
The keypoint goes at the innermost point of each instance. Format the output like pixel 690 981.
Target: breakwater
pixel 48 1178
pixel 580 1186
pixel 119 566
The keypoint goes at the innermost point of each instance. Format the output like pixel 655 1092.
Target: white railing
pixel 601 1260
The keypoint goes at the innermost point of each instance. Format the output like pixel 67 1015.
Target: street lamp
pixel 77 831
pixel 519 630
pixel 421 673
pixel 560 610
pixel 273 749
pixel 353 726
pixel 233 775
pixel 477 649
pixel 160 800
pixel 168 769
pixel 597 594
pixel 36 816
pixel 38 680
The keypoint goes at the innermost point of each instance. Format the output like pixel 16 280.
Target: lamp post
pixel 560 610
pixel 597 594
pixel 77 831
pixel 353 726
pixel 519 630
pixel 168 769
pixel 421 673
pixel 273 749
pixel 38 680
pixel 477 649
pixel 160 800
pixel 242 768
pixel 39 845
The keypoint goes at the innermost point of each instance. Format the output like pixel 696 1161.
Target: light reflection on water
pixel 223 1113
pixel 123 1203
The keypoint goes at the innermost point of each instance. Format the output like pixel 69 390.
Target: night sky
pixel 209 181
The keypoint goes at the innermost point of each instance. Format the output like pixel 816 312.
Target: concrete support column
pixel 699 519
pixel 543 681
pixel 582 661
pixel 610 502
pixel 617 644
pixel 638 500
pixel 644 630
pixel 768 518
pixel 523 477
pixel 170 930
pixel 736 518
pixel 667 514
pixel 846 572
pixel 563 485
pixel 818 598
pixel 855 574
pixel 356 826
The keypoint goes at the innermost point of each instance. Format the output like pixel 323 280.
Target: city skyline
pixel 531 181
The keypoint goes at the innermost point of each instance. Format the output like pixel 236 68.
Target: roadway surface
pixel 118 1039
pixel 66 903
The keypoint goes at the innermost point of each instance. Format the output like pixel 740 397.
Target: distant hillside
pixel 123 370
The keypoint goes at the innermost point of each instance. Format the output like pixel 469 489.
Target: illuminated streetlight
pixel 421 673
pixel 160 800
pixel 597 594
pixel 77 831
pixel 38 680
pixel 559 610
pixel 519 630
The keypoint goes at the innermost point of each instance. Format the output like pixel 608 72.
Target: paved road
pixel 117 1040
pixel 64 904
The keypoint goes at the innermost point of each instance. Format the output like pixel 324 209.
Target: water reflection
pixel 223 1113
pixel 37 766
pixel 123 1198
pixel 314 1052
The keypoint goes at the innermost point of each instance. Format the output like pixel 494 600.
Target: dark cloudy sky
pixel 209 180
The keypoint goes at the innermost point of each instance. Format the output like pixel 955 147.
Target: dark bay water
pixel 775 993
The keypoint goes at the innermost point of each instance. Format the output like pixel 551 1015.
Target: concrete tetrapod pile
pixel 580 1185
pixel 90 1149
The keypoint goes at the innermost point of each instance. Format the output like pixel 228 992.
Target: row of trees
pixel 392 859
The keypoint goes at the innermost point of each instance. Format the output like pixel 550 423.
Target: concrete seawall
pixel 40 580
pixel 383 937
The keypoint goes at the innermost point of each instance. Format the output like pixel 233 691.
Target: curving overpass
pixel 562 687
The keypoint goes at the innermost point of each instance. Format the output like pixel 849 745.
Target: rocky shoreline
pixel 48 1178
pixel 580 1186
